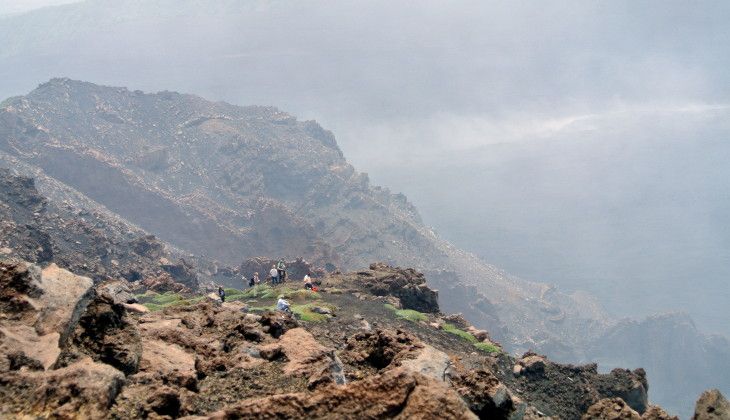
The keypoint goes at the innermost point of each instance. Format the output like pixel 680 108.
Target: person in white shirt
pixel 307 282
pixel 274 273
pixel 283 305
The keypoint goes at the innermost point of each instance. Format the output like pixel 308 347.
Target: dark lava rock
pixel 106 334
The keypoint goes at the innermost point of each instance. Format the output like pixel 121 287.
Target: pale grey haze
pixel 579 143
pixel 9 7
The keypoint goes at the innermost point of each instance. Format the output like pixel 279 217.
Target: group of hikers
pixel 278 276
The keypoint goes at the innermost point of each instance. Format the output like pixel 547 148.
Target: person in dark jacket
pixel 221 293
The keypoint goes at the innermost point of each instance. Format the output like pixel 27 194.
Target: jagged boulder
pixel 305 357
pixel 380 348
pixel 82 390
pixel 618 409
pixel 611 409
pixel 630 386
pixel 39 310
pixel 277 323
pixel 183 272
pixel 161 283
pixel 408 285
pixel 484 393
pixel 106 334
pixel 657 413
pixel 430 362
pixel 712 405
pixel 398 393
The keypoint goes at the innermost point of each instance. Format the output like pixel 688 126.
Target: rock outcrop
pixel 69 348
pixel 712 405
pixel 81 390
pixel 396 394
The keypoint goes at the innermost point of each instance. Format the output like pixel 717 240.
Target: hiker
pixel 281 269
pixel 283 305
pixel 254 280
pixel 307 282
pixel 221 293
pixel 274 275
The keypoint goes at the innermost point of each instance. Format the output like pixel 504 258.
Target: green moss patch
pixel 407 314
pixel 300 294
pixel 159 301
pixel 260 291
pixel 305 312
pixel 487 348
pixel 452 329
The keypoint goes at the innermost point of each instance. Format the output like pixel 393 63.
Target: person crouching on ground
pixel 307 282
pixel 274 273
pixel 283 305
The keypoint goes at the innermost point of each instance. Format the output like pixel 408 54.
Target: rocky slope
pixel 218 185
pixel 233 182
pixel 355 349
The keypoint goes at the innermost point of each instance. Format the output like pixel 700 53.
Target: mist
pixel 583 144
pixel 539 138
pixel 463 107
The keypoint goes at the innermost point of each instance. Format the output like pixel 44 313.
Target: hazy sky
pixel 411 87
pixel 19 6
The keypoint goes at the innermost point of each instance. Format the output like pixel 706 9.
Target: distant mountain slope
pixel 233 182
pixel 227 183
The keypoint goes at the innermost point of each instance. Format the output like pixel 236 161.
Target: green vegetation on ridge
pixel 407 314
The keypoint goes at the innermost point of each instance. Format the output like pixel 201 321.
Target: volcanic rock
pixel 82 390
pixel 611 409
pixel 394 394
pixel 380 348
pixel 712 405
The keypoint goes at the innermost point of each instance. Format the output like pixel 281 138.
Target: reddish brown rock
pixel 611 409
pixel 657 413
pixel 82 390
pixel 395 394
pixel 712 405
pixel 380 348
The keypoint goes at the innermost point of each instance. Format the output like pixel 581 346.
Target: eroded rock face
pixel 712 405
pixel 395 394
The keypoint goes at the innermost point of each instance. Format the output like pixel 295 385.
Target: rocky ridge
pixel 172 193
pixel 370 354
pixel 232 183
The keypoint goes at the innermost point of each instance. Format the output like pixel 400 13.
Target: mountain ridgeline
pixel 217 184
